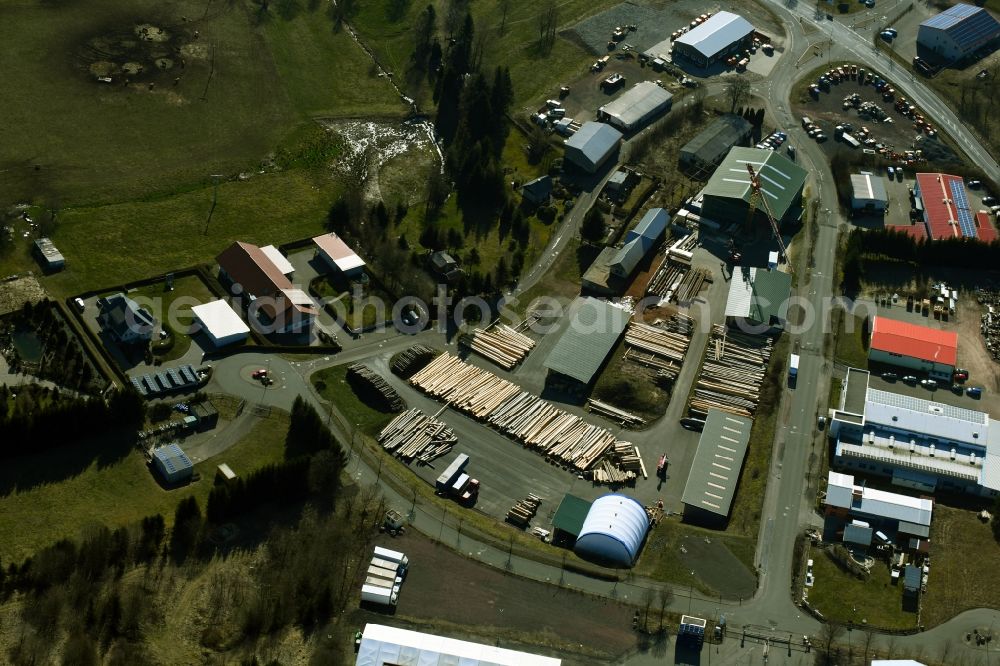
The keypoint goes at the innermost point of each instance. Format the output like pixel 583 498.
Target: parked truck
pixel 793 368
pixel 692 630
pixel 375 581
pixel 391 575
pixel 454 482
pixel 379 595
pixel 401 561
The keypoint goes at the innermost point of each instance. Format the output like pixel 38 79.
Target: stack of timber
pixel 409 361
pixel 524 417
pixel 605 472
pixel 628 458
pixel 371 386
pixel 499 343
pixel 521 513
pixel 732 374
pixel 613 413
pixel 692 285
pixel 660 341
pixel 667 279
pixel 415 436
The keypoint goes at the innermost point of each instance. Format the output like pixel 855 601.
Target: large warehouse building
pixel 723 34
pixel 636 107
pixel 914 347
pixel 715 470
pixel 868 193
pixel 727 193
pixel 959 32
pixel 917 443
pixel 758 299
pixel 592 146
pixel 707 150
pixel 947 212
pixel 592 330
pixel 221 323
pixel 382 645
pixel 613 531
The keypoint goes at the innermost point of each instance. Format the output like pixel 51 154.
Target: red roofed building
pixel 946 206
pixel 338 255
pixel 984 228
pixel 914 347
pixel 250 273
pixel 917 231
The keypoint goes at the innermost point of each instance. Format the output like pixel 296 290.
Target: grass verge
pixel 331 384
pixel 842 597
pixel 64 490
pixel 850 349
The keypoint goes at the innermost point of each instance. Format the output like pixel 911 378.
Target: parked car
pixel 910 379
pixel 974 392
pixel 975 184
pixel 989 201
pixel 928 384
pixel 80 305
pixel 259 373
pixel 890 376
pixel 821 422
pixel 891 171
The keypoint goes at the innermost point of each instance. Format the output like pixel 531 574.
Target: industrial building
pixel 221 323
pixel 268 294
pixel 338 256
pixel 48 256
pixel 715 470
pixel 721 35
pixel 917 443
pixel 593 328
pixel 959 32
pixel 707 150
pixel 868 193
pixel 592 145
pixel 758 299
pixel 122 319
pixel 613 531
pixel 946 208
pixel 639 242
pixel 568 519
pixel 382 645
pixel 173 464
pixel 727 194
pixel 598 278
pixel 914 347
pixel 636 107
pixel 865 512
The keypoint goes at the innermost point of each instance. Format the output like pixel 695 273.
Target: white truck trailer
pixel 375 594
pixel 392 556
pixel 387 574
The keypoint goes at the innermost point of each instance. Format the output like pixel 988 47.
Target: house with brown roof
pixel 338 255
pixel 269 296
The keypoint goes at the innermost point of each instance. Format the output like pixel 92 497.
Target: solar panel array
pixel 965 217
pixel 168 380
pixel 924 406
pixel 951 16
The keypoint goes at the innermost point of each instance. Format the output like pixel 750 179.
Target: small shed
pixel 206 414
pixel 173 464
pixel 537 191
pixel 569 517
pixel 221 323
pixel 911 580
pixel 444 264
pixel 338 256
pixel 50 258
pixel 224 474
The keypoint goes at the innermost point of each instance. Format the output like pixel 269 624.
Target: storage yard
pixel 504 345
pixel 732 373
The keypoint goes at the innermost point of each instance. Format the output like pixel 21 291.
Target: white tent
pixel 381 645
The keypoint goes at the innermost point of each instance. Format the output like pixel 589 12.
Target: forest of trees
pixel 63 360
pixel 95 599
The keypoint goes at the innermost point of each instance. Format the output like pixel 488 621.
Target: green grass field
pixel 331 383
pixel 850 348
pixel 842 597
pixel 72 491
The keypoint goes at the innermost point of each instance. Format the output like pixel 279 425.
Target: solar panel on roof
pixel 153 388
pixel 187 373
pixel 162 380
pixel 138 386
pixel 965 221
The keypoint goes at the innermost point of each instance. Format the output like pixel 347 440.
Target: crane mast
pixel 757 198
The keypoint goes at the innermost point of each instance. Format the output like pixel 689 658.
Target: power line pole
pixel 215 200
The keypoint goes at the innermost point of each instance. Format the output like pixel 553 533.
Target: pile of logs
pixel 371 386
pixel 673 280
pixel 605 472
pixel 524 417
pixel 692 285
pixel 667 279
pixel 732 373
pixel 415 436
pixel 628 458
pixel 409 361
pixel 613 413
pixel 521 513
pixel 499 343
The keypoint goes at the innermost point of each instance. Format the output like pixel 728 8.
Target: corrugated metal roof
pixel 629 256
pixel 914 529
pixel 858 534
pixel 650 227
pixel 591 333
pixel 715 470
pixel 911 578
pixel 173 458
pixel 758 294
pixel 570 515
pixel 970 27
pixel 713 142
pixel 931 419
pixel 868 187
pixel 781 180
pixel 614 529
pixel 637 103
pixel 717 33
pixel 594 140
pixel 841 491
pixel 928 344
pixel 338 251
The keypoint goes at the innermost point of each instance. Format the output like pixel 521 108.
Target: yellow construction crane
pixel 757 199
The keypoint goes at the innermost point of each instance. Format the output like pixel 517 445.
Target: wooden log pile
pixel 658 340
pixel 521 513
pixel 692 285
pixel 499 343
pixel 524 417
pixel 370 385
pixel 409 361
pixel 667 279
pixel 613 413
pixel 732 373
pixel 605 472
pixel 415 436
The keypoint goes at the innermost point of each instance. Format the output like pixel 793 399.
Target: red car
pixel 257 374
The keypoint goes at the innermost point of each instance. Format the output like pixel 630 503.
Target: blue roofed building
pixel 592 146
pixel 959 32
pixel 639 242
pixel 173 464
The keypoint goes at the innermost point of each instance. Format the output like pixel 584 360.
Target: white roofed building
pixel 723 34
pixel 336 253
pixel 279 260
pixel 868 192
pixel 636 107
pixel 592 146
pixel 613 531
pixel 382 645
pixel 221 323
pixel 879 509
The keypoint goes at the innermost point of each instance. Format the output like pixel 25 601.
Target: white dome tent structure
pixel 613 531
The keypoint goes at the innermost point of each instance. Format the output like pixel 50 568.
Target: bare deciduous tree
pixel 737 92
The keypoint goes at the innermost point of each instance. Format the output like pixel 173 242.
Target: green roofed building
pixel 758 299
pixel 715 470
pixel 593 329
pixel 727 194
pixel 568 521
